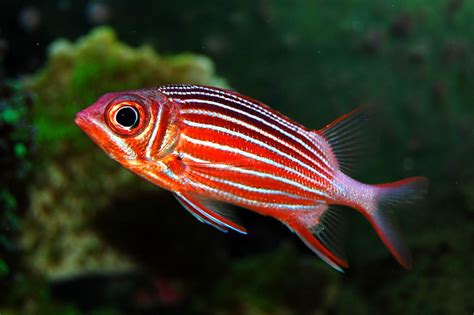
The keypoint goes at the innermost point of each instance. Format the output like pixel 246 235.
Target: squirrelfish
pixel 213 147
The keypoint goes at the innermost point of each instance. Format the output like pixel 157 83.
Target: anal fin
pixel 321 231
pixel 214 213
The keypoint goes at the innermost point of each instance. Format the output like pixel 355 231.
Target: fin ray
pixel 197 213
pixel 322 233
pixel 211 212
pixel 392 195
pixel 346 136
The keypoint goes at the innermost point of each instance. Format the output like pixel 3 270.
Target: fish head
pixel 122 123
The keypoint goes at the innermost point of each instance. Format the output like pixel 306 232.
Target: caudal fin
pixel 389 197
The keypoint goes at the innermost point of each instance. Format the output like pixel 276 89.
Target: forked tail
pixel 320 230
pixel 389 197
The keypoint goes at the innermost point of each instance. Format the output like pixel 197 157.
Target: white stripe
pixel 301 132
pixel 250 188
pixel 234 98
pixel 129 154
pixel 196 90
pixel 261 144
pixel 251 202
pixel 250 155
pixel 178 196
pixel 154 133
pixel 240 101
pixel 322 158
pixel 251 127
pixel 210 217
pixel 254 173
pixel 257 107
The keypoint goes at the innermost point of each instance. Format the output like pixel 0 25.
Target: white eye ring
pixel 127 124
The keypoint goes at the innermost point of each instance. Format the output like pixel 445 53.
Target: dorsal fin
pixel 347 136
pixel 215 213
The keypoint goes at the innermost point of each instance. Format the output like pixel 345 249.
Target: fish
pixel 215 149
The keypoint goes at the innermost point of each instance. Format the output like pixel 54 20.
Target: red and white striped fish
pixel 213 147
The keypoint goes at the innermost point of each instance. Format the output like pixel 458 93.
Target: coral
pixel 72 178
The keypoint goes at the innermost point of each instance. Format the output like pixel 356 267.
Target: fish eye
pixel 127 117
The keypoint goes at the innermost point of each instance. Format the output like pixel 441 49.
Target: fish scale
pixel 255 110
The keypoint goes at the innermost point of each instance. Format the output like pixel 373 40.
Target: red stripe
pixel 256 196
pixel 228 158
pixel 301 154
pixel 257 124
pixel 236 104
pixel 262 138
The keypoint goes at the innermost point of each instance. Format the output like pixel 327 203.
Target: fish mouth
pixel 83 121
pixel 88 125
pixel 80 120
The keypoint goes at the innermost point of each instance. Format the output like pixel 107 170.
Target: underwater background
pixel 81 235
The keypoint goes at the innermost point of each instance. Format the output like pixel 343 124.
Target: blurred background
pixel 80 235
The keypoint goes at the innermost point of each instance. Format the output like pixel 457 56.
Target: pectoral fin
pixel 215 213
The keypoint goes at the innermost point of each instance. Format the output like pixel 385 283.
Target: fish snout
pixel 86 120
pixel 81 120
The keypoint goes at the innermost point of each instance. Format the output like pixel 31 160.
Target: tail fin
pixel 390 196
